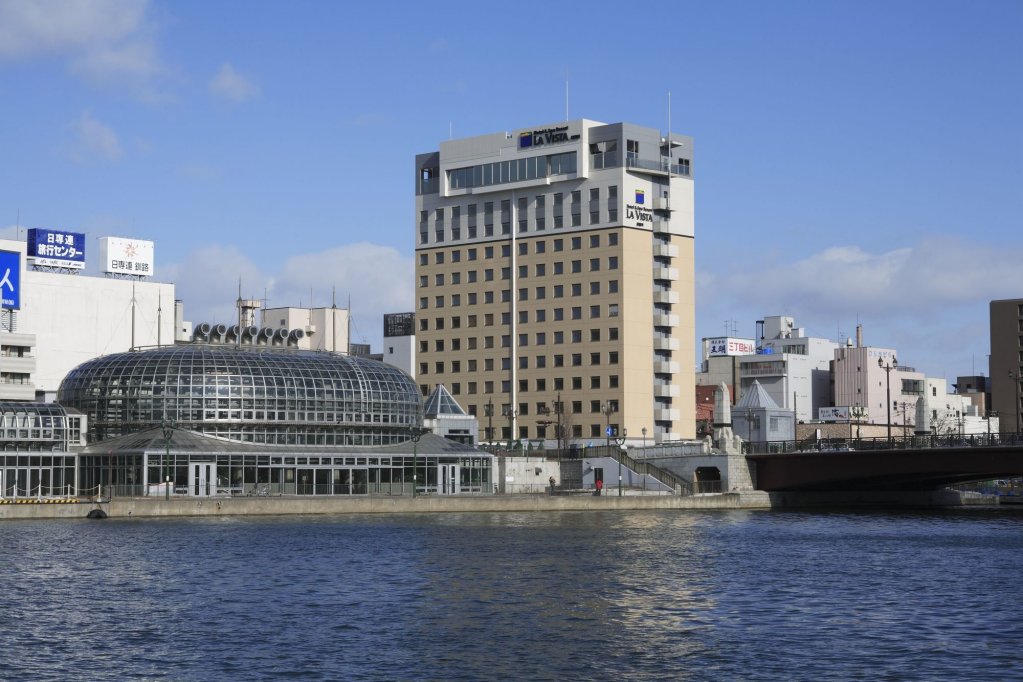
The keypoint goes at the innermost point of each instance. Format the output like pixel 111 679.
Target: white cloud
pixel 915 281
pixel 207 282
pixel 105 42
pixel 94 140
pixel 377 278
pixel 231 85
pixel 929 301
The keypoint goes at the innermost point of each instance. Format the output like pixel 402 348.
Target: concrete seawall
pixel 266 506
pixel 263 506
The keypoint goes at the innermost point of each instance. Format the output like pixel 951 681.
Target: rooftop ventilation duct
pixel 219 332
pixel 294 336
pixel 249 334
pixel 280 336
pixel 265 335
pixel 201 332
pixel 234 333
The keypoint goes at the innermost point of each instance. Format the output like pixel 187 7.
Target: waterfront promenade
pixel 262 506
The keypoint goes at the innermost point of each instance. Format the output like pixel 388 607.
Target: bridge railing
pixel 915 442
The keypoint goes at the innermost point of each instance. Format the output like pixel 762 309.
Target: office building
pixel 554 264
pixel 866 378
pixel 1006 363
pixel 54 319
pixel 793 368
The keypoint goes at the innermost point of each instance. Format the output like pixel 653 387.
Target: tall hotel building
pixel 554 267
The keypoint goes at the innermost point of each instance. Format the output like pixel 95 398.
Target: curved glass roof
pixel 258 395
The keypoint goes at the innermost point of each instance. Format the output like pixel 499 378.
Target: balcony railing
pixel 662 166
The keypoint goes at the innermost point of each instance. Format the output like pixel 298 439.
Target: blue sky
pixel 855 162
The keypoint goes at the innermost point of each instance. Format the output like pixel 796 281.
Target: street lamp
pixel 608 408
pixel 415 433
pixel 1015 380
pixel 488 411
pixel 168 433
pixel 509 412
pixel 620 441
pixel 751 423
pixel 858 413
pixel 888 372
pixel 647 469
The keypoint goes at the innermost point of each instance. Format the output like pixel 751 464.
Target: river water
pixel 737 595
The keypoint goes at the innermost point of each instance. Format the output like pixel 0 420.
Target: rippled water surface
pixel 610 595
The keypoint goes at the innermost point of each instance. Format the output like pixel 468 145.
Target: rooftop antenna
pixel 133 317
pixel 451 131
pixel 333 296
pixel 669 124
pixel 159 316
pixel 349 321
pixel 566 99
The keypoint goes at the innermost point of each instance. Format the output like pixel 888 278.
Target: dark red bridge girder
pixel 920 469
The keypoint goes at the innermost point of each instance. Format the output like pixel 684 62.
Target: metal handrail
pixel 674 481
pixel 910 442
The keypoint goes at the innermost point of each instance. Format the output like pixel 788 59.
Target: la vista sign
pixel 638 213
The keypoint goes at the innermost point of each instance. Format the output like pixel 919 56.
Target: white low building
pixel 74 318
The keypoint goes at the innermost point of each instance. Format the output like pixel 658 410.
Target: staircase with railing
pixel 640 467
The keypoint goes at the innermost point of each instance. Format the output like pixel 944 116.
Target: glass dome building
pixel 269 395
pixel 208 419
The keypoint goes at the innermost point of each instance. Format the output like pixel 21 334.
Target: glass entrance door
pixel 202 478
pixel 447 479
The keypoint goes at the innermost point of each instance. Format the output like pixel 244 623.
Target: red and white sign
pixel 727 345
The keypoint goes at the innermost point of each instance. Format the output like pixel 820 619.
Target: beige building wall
pixel 596 310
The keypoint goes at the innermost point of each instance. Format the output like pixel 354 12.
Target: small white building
pixel 793 368
pixel 399 342
pixel 445 417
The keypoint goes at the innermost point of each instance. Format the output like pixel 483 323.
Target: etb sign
pixel 10 280
pixel 726 345
pixel 56 248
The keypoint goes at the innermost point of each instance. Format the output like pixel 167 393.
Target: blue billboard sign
pixel 56 248
pixel 10 280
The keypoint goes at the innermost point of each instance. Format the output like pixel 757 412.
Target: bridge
pixel 905 463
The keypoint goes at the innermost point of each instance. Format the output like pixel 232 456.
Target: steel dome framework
pixel 271 396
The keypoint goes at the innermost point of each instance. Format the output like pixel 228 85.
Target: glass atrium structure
pixel 222 419
pixel 35 460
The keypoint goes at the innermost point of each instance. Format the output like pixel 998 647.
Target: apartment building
pixel 554 270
